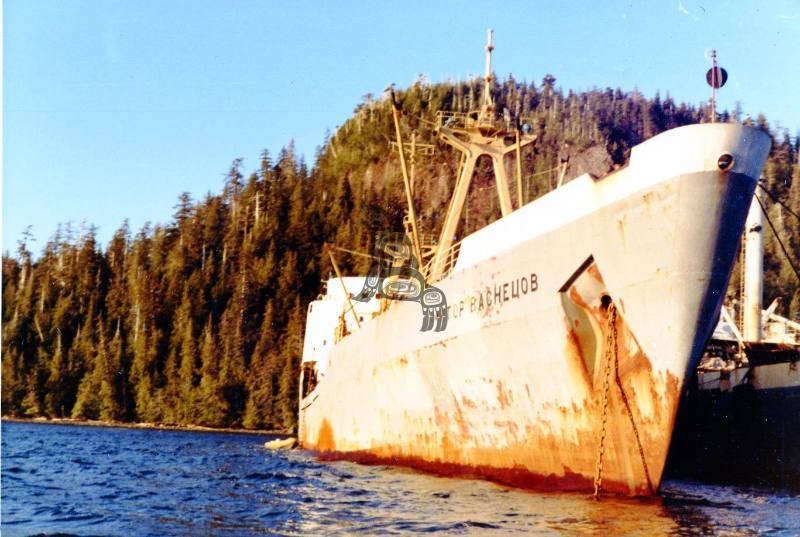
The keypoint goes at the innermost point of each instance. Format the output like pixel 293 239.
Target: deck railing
pixel 470 120
pixel 448 262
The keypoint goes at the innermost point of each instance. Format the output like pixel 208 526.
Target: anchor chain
pixel 611 336
pixel 612 351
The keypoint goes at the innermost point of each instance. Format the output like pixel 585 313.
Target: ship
pixel 567 327
pixel 739 421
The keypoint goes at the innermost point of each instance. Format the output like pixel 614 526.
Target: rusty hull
pixel 490 429
pixel 513 389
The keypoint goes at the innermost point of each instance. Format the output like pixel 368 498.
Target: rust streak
pixel 325 440
pixel 515 476
pixel 461 422
pixel 502 396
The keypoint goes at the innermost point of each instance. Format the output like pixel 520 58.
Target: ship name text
pixel 495 295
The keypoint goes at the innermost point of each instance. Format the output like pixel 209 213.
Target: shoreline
pixel 144 425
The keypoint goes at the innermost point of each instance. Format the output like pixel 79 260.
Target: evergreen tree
pixel 200 320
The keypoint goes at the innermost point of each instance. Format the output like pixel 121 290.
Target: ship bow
pixel 667 258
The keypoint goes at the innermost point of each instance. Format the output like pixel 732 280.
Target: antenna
pixel 487 107
pixel 489 49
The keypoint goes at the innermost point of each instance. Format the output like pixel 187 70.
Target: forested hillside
pixel 200 320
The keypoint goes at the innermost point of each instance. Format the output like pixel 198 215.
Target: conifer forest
pixel 200 320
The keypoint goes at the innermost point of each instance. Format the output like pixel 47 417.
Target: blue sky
pixel 111 109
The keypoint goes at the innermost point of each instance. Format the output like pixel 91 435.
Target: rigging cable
pixel 778 201
pixel 778 238
pixel 353 252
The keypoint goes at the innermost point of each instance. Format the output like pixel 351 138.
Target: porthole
pixel 725 162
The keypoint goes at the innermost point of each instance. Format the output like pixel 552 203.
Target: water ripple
pixel 70 480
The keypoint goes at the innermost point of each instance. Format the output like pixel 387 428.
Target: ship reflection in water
pixel 100 481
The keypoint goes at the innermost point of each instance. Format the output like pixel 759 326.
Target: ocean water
pixel 72 480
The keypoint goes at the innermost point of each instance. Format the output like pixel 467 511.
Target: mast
pixel 476 134
pixel 420 243
pixel 412 217
pixel 713 85
pixel 487 104
pixel 716 78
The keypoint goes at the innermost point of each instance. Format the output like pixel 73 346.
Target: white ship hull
pixel 514 388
